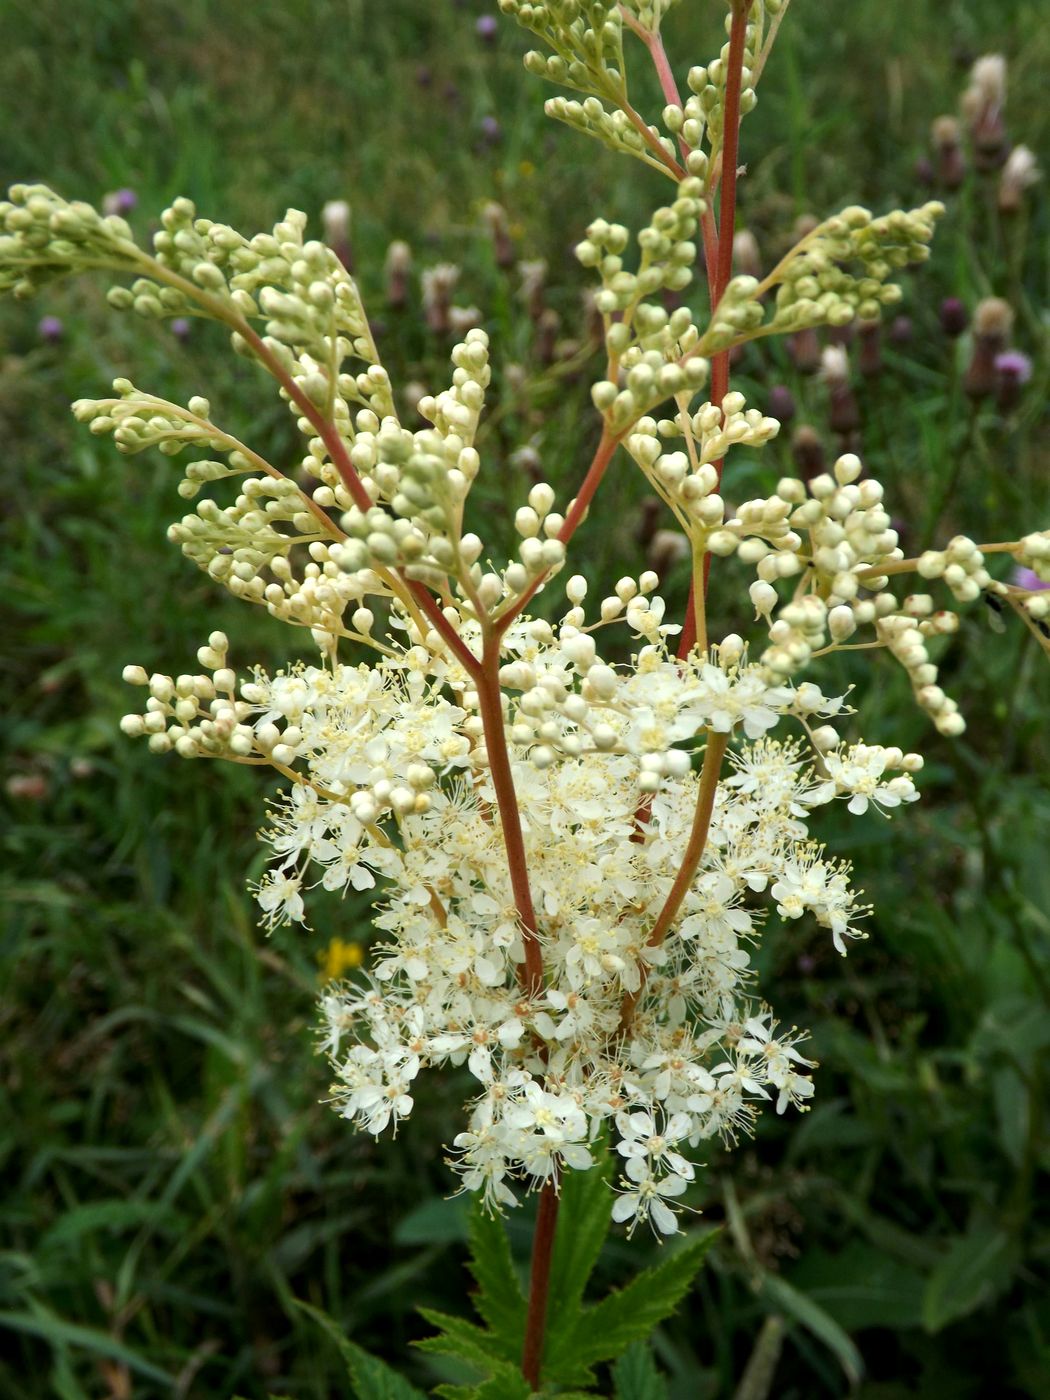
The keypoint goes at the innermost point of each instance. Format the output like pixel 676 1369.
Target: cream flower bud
pixel 764 597
pixel 842 622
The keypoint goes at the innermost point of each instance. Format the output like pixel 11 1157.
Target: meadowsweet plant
pixel 570 856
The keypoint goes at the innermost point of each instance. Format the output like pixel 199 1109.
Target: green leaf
pixel 499 1299
pixel 506 1383
pixel 813 1317
pixel 601 1333
pixel 439 1220
pixel 584 1218
pixel 373 1379
pixel 861 1286
pixel 977 1266
pixel 43 1323
pixel 636 1377
pixel 457 1337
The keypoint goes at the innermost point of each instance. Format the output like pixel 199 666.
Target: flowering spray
pixel 570 856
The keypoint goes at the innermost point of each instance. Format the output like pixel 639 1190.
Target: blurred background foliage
pixel 171 1180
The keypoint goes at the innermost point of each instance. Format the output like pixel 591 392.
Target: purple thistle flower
pixel 486 27
pixel 1029 579
pixel 491 131
pixel 1013 369
pixel 120 202
pixel 954 317
pixel 1014 364
pixel 180 328
pixel 51 329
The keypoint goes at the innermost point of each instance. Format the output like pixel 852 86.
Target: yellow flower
pixel 338 958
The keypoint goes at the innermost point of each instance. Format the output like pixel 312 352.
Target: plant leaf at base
pixel 499 1299
pixel 372 1379
pixel 636 1377
pixel 626 1315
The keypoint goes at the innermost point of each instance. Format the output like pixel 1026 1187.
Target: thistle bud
pixel 397 266
pixel 947 144
pixel 992 323
pixel 804 349
pixel 494 217
pixel 808 452
pixel 1020 172
pixel 1013 370
pixel 335 219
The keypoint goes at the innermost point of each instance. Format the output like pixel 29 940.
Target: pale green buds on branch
pixel 43 237
pixel 842 269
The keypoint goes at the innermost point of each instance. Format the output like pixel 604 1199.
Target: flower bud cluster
pixel 237 544
pixel 689 483
pixel 44 237
pixel 585 36
pixel 960 565
pixel 816 285
pixel 422 477
pixel 706 107
pixel 194 716
pixel 139 421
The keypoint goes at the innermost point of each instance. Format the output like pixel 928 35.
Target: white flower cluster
pixel 662 1041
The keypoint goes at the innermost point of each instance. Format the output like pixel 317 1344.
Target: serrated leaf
pixel 584 1218
pixel 499 1299
pixel 629 1314
pixel 506 1383
pixel 636 1377
pixel 977 1266
pixel 458 1337
pixel 813 1317
pixel 372 1379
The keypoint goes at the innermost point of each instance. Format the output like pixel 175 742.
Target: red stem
pixel 720 265
pixel 539 1284
pixel 490 703
pixel 432 608
pixel 602 457
pixel 323 427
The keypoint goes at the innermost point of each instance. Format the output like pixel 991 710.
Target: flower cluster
pixel 571 855
pixel 392 790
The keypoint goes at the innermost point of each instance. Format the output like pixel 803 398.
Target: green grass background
pixel 170 1178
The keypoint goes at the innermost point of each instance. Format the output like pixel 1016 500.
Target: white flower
pixel 280 899
pixel 647 1200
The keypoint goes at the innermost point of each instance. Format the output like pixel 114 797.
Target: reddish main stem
pixel 720 268
pixel 490 703
pixel 539 1284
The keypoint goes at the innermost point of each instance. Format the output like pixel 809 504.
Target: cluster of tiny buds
pixel 960 565
pixel 534 721
pixel 204 717
pixel 905 636
pixel 692 488
pixel 176 719
pixel 815 287
pixel 43 237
